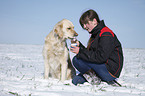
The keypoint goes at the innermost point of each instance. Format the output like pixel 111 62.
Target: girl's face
pixel 90 25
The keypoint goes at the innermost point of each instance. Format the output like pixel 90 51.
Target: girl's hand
pixel 75 49
pixel 78 44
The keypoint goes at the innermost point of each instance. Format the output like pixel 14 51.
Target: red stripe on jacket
pixel 119 62
pixel 106 29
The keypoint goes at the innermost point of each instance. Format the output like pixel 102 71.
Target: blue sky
pixel 29 21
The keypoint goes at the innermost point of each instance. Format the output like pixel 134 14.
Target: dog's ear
pixel 58 30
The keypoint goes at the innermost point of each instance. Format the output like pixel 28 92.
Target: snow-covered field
pixel 22 69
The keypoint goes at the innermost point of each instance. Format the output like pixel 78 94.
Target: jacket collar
pixel 98 28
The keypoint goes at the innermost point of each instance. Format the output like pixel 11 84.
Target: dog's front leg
pixel 64 71
pixel 46 63
pixel 47 69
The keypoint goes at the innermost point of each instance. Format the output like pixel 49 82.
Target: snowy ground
pixel 21 74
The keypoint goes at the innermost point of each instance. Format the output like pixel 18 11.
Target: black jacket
pixel 104 48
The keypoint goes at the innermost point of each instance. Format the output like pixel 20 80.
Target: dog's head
pixel 65 29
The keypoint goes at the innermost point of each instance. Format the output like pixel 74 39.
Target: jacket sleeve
pixel 102 51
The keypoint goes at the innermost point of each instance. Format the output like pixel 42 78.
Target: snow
pixel 22 69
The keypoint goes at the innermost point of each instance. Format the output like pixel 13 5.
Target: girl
pixel 102 60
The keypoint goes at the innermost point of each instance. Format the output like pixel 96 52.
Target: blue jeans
pixel 83 66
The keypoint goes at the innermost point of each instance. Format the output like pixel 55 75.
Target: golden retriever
pixel 55 51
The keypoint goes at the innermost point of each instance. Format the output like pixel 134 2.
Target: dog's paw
pixel 45 77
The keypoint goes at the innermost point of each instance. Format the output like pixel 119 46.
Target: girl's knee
pixel 74 60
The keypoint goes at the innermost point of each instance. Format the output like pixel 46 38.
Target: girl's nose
pixel 84 25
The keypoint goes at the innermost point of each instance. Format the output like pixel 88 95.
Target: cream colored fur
pixel 55 52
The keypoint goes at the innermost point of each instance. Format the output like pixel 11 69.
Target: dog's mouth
pixel 71 37
pixel 74 35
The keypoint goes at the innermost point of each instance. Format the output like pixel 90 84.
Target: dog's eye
pixel 68 28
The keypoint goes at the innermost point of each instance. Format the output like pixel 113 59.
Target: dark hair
pixel 88 16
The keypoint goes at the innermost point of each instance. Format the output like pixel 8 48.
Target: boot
pixel 92 78
pixel 114 83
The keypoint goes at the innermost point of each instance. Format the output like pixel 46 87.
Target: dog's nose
pixel 76 34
